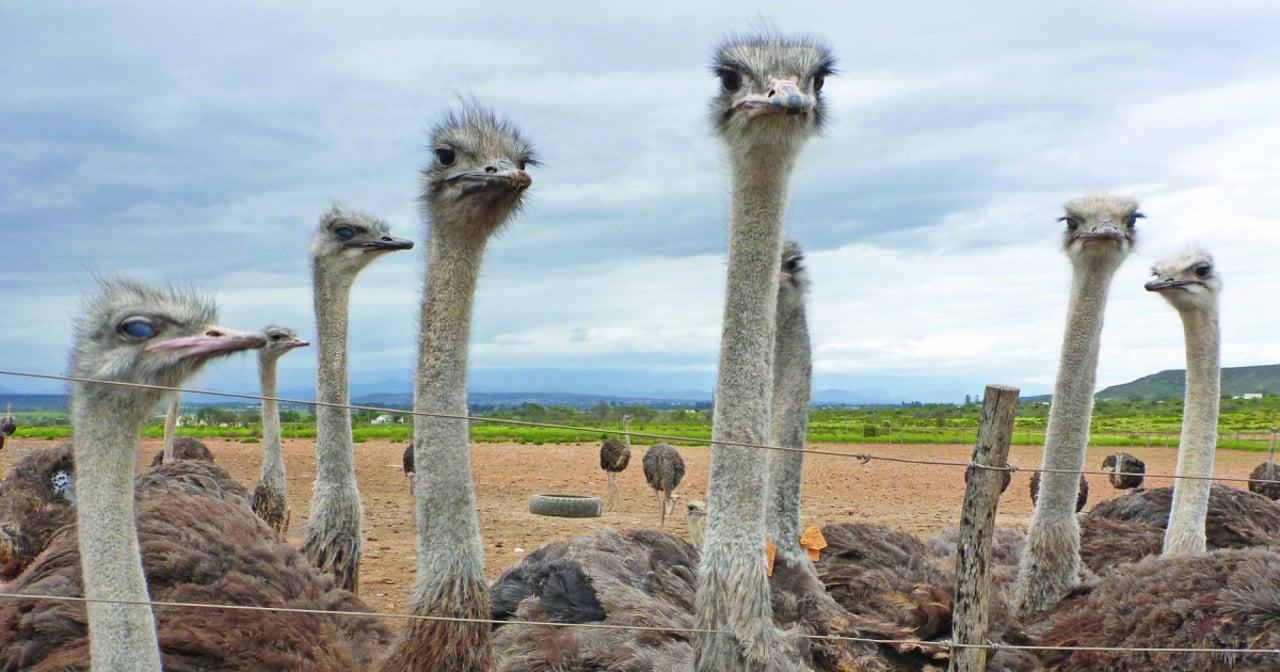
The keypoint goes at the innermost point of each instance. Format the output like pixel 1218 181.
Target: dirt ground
pixel 920 498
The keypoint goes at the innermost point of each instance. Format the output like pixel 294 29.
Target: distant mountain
pixel 1171 384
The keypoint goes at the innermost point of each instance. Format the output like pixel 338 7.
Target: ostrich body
pixel 1235 518
pixel 1265 478
pixel 615 455
pixel 1099 235
pixel 269 495
pixel 183 448
pixel 1082 492
pixel 769 105
pixel 1127 471
pixel 663 471
pixel 792 380
pixel 473 185
pixel 37 498
pixel 7 424
pixel 344 245
pixel 1191 284
pixel 137 334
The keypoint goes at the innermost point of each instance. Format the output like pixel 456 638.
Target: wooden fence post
pixel 977 525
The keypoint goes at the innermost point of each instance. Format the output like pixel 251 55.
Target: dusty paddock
pixel 915 497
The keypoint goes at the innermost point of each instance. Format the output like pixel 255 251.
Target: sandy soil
pixel 920 498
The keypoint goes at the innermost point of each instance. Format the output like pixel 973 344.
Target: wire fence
pixel 865 458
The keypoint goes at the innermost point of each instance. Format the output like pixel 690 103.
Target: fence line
pixel 945 644
pixel 864 457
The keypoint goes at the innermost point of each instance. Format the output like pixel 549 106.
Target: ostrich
pixel 663 470
pixel 769 104
pixel 615 455
pixel 133 334
pixel 189 518
pixel 695 517
pixel 170 429
pixel 1127 471
pixel 345 243
pixel 37 498
pixel 475 182
pixel 268 497
pixel 1191 284
pixel 792 379
pixel 1099 235
pixel 1082 492
pixel 7 424
pixel 1265 478
pixel 183 448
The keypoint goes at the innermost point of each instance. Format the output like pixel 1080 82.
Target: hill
pixel 1171 384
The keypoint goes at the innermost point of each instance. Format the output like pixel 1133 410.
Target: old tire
pixel 565 506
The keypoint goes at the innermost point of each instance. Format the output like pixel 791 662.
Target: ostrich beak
pixel 384 244
pixel 784 98
pixel 298 342
pixel 1162 284
pixel 500 173
pixel 214 340
pixel 1104 231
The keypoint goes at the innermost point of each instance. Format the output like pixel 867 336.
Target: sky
pixel 200 143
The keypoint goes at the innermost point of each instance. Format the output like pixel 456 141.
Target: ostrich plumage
pixel 663 471
pixel 615 455
pixel 185 448
pixel 1082 493
pixel 1127 471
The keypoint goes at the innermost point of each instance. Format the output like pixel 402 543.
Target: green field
pixel 1243 424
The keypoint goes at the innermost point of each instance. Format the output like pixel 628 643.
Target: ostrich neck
pixel 1186 529
pixel 170 427
pixel 733 555
pixel 123 636
pixel 335 458
pixel 1051 562
pixel 792 380
pixel 272 454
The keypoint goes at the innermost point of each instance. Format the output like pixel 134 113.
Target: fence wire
pixel 865 458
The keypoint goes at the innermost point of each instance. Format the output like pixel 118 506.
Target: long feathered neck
pixel 1186 530
pixel 450 580
pixel 733 555
pixel 272 452
pixel 107 438
pixel 1051 560
pixel 792 383
pixel 170 427
pixel 335 458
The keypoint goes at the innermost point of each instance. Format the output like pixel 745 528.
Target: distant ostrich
pixel 1082 492
pixel 792 383
pixel 769 104
pixel 197 548
pixel 615 455
pixel 345 243
pixel 1127 471
pixel 183 448
pixel 1265 478
pixel 695 517
pixel 269 495
pixel 663 470
pixel 1191 284
pixel 7 424
pixel 1099 235
pixel 474 183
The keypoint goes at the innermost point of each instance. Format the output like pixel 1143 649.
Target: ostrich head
pixel 695 516
pixel 280 340
pixel 348 241
pixel 793 279
pixel 134 333
pixel 770 92
pixel 1100 228
pixel 477 174
pixel 1188 282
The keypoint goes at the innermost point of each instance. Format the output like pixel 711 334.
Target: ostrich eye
pixel 277 336
pixel 818 81
pixel 1072 224
pixel 1133 219
pixel 730 80
pixel 344 232
pixel 1202 271
pixel 793 264
pixel 446 156
pixel 137 327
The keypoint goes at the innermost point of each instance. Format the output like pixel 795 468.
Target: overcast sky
pixel 199 143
